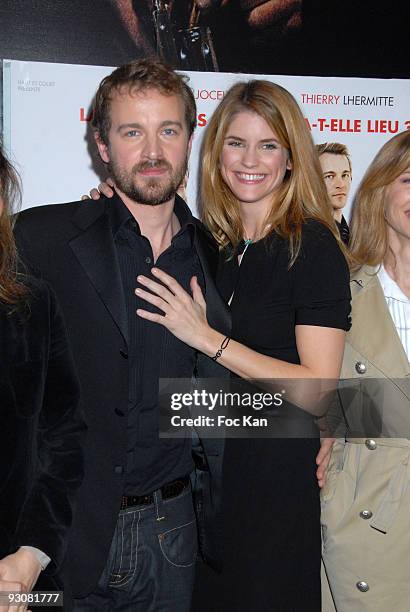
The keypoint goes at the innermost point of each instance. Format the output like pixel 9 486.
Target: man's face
pixel 148 145
pixel 338 178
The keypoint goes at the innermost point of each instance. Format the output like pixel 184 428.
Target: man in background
pixel 337 173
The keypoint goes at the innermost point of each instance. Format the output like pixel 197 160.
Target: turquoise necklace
pixel 248 242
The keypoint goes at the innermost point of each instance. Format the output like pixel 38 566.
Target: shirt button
pixel 118 469
pixel 371 444
pixel 366 514
pixel 362 586
pixel 360 368
pixel 148 260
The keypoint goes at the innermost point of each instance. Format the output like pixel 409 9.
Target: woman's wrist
pixel 212 343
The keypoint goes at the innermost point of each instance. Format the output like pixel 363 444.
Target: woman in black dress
pixel 265 202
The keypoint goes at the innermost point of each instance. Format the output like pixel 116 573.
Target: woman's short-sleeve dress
pixel 271 522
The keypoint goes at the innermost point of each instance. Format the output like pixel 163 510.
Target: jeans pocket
pixel 179 546
pixel 124 550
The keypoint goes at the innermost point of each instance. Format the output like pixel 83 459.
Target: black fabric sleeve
pixel 47 512
pixel 25 239
pixel 321 281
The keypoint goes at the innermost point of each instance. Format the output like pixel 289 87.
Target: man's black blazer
pixel 41 462
pixel 71 245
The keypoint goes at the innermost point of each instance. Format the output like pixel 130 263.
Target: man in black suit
pixel 134 542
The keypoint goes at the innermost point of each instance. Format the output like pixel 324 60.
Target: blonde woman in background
pixel 366 500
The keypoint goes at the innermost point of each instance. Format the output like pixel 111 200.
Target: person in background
pixel 337 172
pixel 41 458
pixel 283 272
pixel 366 500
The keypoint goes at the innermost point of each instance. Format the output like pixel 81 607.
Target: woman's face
pixel 253 163
pixel 398 205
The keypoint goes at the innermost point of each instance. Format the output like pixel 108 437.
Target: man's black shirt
pixel 153 352
pixel 344 230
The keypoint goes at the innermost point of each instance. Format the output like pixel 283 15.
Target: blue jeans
pixel 151 564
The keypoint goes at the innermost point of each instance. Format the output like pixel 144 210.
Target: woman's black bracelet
pixel 224 344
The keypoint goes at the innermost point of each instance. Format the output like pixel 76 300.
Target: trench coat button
pixel 118 469
pixel 371 444
pixel 360 368
pixel 366 514
pixel 123 353
pixel 362 586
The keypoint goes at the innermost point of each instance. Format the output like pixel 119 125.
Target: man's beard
pixel 151 190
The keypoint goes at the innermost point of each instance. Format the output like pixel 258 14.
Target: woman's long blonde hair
pixel 368 236
pixel 11 288
pixel 302 194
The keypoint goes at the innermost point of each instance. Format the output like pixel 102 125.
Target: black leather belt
pixel 168 491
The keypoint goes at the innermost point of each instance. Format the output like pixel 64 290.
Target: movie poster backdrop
pixel 47 121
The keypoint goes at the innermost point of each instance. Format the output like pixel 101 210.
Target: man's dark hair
pixel 141 75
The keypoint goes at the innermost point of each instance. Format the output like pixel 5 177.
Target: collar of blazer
pixel 373 333
pixel 95 250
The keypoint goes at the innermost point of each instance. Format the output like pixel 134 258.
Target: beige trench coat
pixel 366 499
